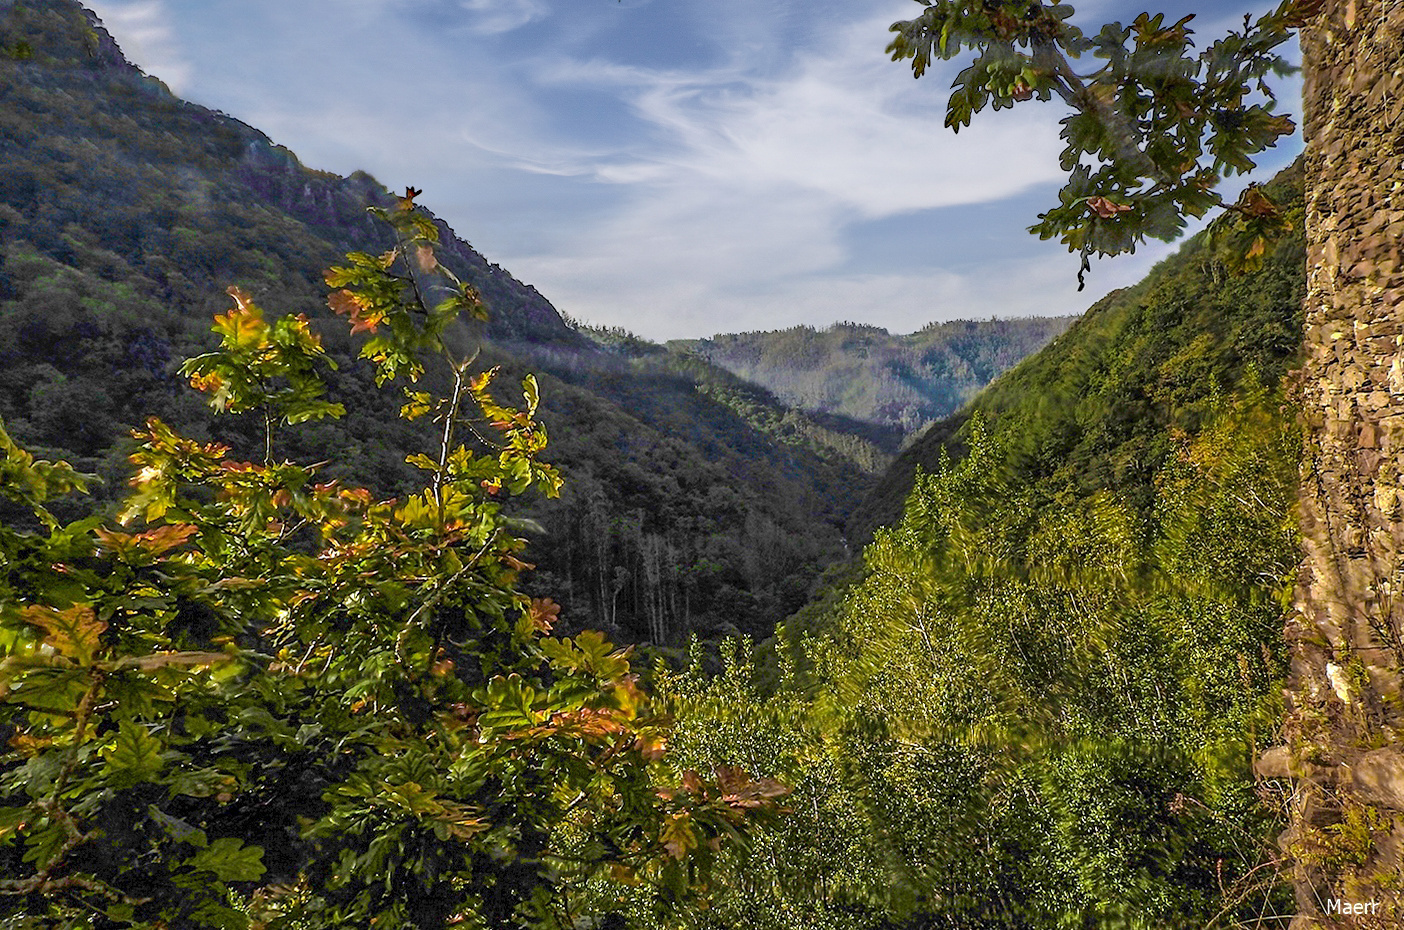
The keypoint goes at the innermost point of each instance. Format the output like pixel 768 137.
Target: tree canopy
pixel 1156 126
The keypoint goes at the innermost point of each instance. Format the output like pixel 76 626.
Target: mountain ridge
pixel 867 373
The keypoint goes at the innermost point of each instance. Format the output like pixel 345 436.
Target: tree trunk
pixel 1345 715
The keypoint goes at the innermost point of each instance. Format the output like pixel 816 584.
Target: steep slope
pixel 867 373
pixel 1097 406
pixel 1046 685
pixel 126 212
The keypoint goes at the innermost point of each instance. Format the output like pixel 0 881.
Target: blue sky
pixel 676 167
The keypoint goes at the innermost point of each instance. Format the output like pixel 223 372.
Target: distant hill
pixel 867 373
pixel 1096 409
pixel 693 503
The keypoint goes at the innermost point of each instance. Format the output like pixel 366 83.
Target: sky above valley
pixel 675 167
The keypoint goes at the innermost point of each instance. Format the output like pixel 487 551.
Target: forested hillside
pixel 867 373
pixel 1098 409
pixel 1038 703
pixel 694 504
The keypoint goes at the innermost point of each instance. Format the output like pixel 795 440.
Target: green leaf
pixel 230 860
pixel 178 829
pixel 136 755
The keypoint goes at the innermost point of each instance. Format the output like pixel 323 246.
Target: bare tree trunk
pixel 1345 714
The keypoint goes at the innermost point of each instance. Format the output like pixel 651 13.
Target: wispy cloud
pixel 491 17
pixel 738 203
pixel 678 167
pixel 143 29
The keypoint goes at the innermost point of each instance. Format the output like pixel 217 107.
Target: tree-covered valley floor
pixel 1034 701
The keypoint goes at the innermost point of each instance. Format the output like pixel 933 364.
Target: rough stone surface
pixel 1379 778
pixel 1348 628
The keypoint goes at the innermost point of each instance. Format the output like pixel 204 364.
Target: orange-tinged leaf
pixel 73 633
pixel 481 380
pixel 28 745
pixel 207 383
pixel 344 303
pixel 544 613
pixel 1105 208
pixel 163 539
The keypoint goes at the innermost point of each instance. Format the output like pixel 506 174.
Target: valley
pixel 414 602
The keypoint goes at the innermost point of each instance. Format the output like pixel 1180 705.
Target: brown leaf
pixel 1105 208
pixel 344 303
pixel 1253 202
pixel 167 659
pixel 544 613
pixel 426 259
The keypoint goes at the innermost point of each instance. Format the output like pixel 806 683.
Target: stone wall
pixel 1345 717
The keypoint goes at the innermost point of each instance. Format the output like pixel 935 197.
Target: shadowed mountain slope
pixel 692 503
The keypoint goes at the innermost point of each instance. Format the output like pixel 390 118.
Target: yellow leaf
pixel 73 633
pixel 678 836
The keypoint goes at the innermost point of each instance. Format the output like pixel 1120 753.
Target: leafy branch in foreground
pixel 271 700
pixel 1155 127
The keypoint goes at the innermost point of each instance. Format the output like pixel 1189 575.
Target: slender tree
pixel 1155 127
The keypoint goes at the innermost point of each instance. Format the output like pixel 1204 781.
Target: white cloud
pixel 843 123
pixel 490 17
pixel 143 29
pixel 739 202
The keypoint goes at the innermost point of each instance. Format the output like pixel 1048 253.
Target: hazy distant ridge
pixel 867 373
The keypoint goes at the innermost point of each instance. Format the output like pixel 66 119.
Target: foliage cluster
pixel 267 699
pixel 1029 714
pixel 1156 126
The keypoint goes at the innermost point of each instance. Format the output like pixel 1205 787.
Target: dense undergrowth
pixel 1029 717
